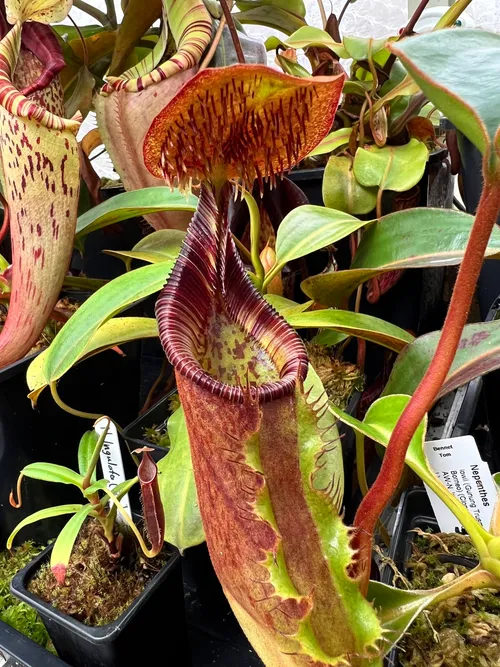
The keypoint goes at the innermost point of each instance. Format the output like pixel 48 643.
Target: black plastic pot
pixel 20 651
pixel 155 416
pixel 414 511
pixel 153 624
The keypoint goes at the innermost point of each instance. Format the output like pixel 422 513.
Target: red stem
pixel 426 393
pixel 233 31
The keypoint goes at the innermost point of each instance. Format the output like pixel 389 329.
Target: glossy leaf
pixel 342 191
pixel 51 472
pixel 396 168
pixel 71 342
pixel 271 17
pixel 361 48
pixel 328 338
pixel 113 332
pixel 332 141
pixel 137 20
pixel 131 204
pixel 94 488
pixel 354 324
pixel 305 37
pixel 309 228
pixel 438 238
pixel 454 68
pixel 293 6
pixel 478 353
pixel 86 450
pixel 160 246
pixel 63 546
pixel 286 307
pixel 47 513
pixel 183 523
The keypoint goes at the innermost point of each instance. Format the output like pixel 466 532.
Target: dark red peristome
pixel 208 277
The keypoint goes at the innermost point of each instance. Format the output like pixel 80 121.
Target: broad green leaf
pixel 286 307
pixel 332 141
pixel 63 546
pixel 360 48
pixel 309 228
pixel 271 17
pixel 47 513
pixel 354 324
pixel 378 424
pixel 138 18
pixel 459 71
pixel 343 192
pixel 159 246
pixel 113 332
pixel 396 168
pixel 478 353
pixel 292 6
pixel 329 338
pixel 71 341
pixel 51 472
pixel 305 37
pixel 86 449
pixel 178 489
pixel 410 239
pixel 130 204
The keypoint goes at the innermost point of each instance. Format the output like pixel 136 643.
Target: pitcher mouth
pixel 209 275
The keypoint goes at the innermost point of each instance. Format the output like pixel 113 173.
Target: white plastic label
pixel 111 459
pixel 458 465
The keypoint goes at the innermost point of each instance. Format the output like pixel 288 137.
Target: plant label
pixel 111 459
pixel 458 465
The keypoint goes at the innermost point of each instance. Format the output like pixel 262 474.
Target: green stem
pixel 149 553
pixel 449 18
pixel 111 11
pixel 253 210
pixel 95 456
pixel 67 408
pixel 360 462
pixel 426 393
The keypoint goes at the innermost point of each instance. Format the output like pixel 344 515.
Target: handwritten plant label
pixel 458 465
pixel 111 459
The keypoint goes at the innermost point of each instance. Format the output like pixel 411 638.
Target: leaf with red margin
pixel 40 177
pixel 266 457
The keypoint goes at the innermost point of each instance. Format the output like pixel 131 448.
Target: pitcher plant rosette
pixel 39 171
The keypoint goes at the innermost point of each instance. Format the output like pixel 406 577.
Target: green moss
pixel 99 585
pixel 461 632
pixel 13 612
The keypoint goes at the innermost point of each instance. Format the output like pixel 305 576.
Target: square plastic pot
pixel 153 625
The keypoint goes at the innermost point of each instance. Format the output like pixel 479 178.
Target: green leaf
pixel 343 192
pixel 293 68
pixel 459 71
pixel 124 487
pixel 47 513
pixel 360 48
pixel 159 246
pixel 354 324
pixel 410 239
pixel 286 307
pixel 309 228
pixel 113 332
pixel 178 489
pixel 271 17
pixel 292 6
pixel 329 338
pixel 305 37
pixel 97 486
pixel 65 542
pixel 130 204
pixel 332 141
pixel 478 353
pixel 51 472
pixel 396 168
pixel 71 341
pixel 86 449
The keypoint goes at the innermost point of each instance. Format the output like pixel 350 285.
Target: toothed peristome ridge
pixel 244 121
pixel 209 276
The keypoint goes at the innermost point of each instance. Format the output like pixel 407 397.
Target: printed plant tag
pixel 111 460
pixel 458 465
